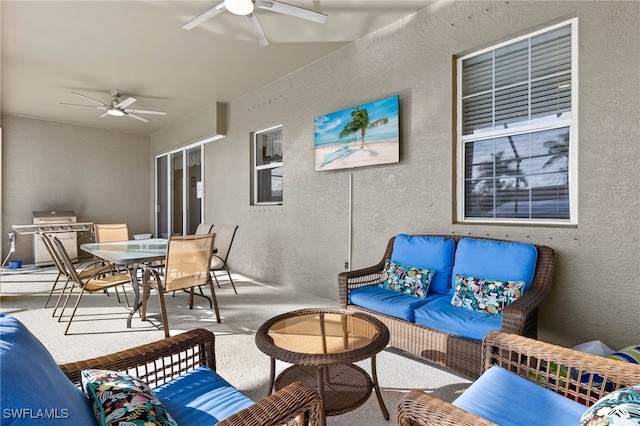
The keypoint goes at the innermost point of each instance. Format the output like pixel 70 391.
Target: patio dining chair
pixel 108 233
pixel 84 270
pixel 186 267
pixel 222 248
pixel 203 228
pixel 98 280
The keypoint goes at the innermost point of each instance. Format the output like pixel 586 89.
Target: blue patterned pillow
pixel 482 295
pixel 120 399
pixel 621 407
pixel 406 279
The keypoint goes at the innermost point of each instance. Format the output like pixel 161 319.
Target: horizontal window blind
pixel 517 83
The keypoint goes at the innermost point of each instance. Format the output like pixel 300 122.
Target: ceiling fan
pixel 246 8
pixel 117 108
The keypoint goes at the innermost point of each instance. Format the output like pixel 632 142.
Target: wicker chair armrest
pixel 519 317
pixel 418 408
pixel 573 374
pixel 358 278
pixel 293 402
pixel 155 362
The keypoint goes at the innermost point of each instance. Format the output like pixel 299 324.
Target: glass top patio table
pixel 131 253
pixel 128 252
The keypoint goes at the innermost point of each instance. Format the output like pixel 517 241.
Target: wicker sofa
pixel 459 353
pixel 549 369
pixel 180 370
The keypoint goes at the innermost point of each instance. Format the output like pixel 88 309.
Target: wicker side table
pixel 322 344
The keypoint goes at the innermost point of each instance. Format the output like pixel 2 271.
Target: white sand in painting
pixel 347 156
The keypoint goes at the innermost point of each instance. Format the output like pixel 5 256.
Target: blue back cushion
pixel 434 253
pixel 34 390
pixel 496 260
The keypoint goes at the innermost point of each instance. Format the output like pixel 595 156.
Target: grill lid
pixel 54 216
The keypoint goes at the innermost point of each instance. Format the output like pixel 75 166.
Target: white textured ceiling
pixel 51 48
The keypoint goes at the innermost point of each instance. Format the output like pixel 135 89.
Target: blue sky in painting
pixel 329 126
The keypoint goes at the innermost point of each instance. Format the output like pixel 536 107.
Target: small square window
pixel 267 166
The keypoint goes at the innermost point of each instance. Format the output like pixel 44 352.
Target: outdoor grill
pixel 63 224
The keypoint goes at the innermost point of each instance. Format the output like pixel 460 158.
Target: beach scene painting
pixel 364 135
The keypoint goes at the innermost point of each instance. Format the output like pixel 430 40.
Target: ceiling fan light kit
pixel 115 112
pixel 239 7
pixel 246 8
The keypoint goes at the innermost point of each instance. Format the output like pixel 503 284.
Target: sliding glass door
pixel 194 188
pixel 179 191
pixel 162 196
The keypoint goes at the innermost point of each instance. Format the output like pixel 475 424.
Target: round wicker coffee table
pixel 323 344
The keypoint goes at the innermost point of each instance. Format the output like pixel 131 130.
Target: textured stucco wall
pixel 304 243
pixel 99 174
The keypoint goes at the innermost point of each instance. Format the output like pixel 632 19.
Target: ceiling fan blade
pixel 215 10
pixel 88 106
pixel 104 115
pixel 257 30
pixel 125 103
pixel 144 111
pixel 137 117
pixel 90 99
pixel 289 9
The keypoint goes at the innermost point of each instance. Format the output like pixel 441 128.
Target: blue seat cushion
pixel 201 397
pixel 387 302
pixel 496 260
pixel 435 253
pixel 34 389
pixel 440 315
pixel 507 399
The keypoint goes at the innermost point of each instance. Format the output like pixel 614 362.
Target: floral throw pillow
pixel 406 279
pixel 120 399
pixel 621 407
pixel 482 295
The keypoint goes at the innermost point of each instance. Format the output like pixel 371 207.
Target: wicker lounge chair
pixel 459 354
pixel 542 363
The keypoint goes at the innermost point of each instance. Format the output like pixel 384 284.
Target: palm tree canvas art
pixel 365 135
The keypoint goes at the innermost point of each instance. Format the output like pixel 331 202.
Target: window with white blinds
pixel 516 129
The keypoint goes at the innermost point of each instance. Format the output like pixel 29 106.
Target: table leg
pixel 323 371
pixel 136 293
pixel 374 378
pixel 272 376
